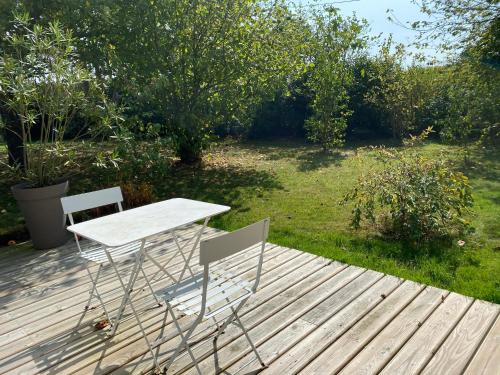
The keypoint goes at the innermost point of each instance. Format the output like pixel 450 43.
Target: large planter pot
pixel 43 213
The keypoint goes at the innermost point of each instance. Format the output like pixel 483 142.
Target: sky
pixel 375 12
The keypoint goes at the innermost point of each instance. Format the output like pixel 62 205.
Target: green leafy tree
pixel 470 33
pixel 213 69
pixel 458 23
pixel 333 43
pixel 43 87
pixel 188 65
pixel 391 89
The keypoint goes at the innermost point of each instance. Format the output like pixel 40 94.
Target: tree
pixel 333 43
pixel 458 23
pixel 218 61
pixel 42 88
pixel 471 30
pixel 188 65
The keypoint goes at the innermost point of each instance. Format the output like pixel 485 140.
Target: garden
pixel 382 160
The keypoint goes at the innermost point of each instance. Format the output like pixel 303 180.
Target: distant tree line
pixel 189 71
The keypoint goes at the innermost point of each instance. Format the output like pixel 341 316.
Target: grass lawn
pixel 299 188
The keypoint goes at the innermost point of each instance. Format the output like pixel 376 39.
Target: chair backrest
pixel 220 247
pixel 87 201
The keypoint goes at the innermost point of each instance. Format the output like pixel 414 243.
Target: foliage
pixel 398 93
pixel 334 42
pixel 137 160
pixel 280 71
pixel 284 115
pixel 43 86
pixel 470 33
pixel 136 195
pixel 414 198
pixel 209 62
pixel 456 22
pixel 472 91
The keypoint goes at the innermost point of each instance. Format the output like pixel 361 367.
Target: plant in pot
pixel 54 105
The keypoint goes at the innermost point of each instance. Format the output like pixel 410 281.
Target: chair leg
pixel 94 292
pixel 245 332
pixel 234 318
pixel 184 339
pixel 230 318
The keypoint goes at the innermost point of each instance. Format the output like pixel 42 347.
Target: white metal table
pixel 139 224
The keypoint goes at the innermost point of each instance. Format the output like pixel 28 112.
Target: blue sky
pixel 375 12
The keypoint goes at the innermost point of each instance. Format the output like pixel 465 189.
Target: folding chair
pixel 218 293
pixel 97 253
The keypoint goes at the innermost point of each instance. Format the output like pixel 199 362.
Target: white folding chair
pixel 218 293
pixel 97 253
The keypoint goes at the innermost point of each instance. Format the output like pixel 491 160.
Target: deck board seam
pixel 445 337
pixel 480 343
pixel 419 325
pixel 377 332
pixel 348 327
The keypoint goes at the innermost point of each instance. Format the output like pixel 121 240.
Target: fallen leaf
pixel 101 324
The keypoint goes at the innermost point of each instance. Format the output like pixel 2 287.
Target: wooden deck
pixel 310 316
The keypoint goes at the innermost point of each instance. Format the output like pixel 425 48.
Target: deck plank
pixel 379 351
pixel 485 362
pixel 417 351
pixel 303 297
pixel 298 356
pixel 310 315
pixel 275 346
pixel 455 353
pixel 335 356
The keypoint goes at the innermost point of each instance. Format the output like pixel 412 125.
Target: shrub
pixel 413 197
pixel 136 195
pixel 42 88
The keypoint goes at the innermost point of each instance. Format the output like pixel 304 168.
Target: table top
pixel 139 223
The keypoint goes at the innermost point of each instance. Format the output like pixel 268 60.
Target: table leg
pixel 127 289
pixel 186 264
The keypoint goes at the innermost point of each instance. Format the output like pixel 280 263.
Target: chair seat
pixel 95 252
pixel 222 293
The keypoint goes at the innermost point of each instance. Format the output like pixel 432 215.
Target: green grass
pixel 299 188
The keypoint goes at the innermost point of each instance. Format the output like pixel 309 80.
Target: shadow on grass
pixel 308 157
pixel 483 164
pixel 222 185
pixel 312 160
pixel 438 260
pixel 277 149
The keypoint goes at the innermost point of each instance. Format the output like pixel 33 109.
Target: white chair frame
pixel 100 254
pixel 212 250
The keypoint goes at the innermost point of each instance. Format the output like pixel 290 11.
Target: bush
pixel 43 87
pixel 414 197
